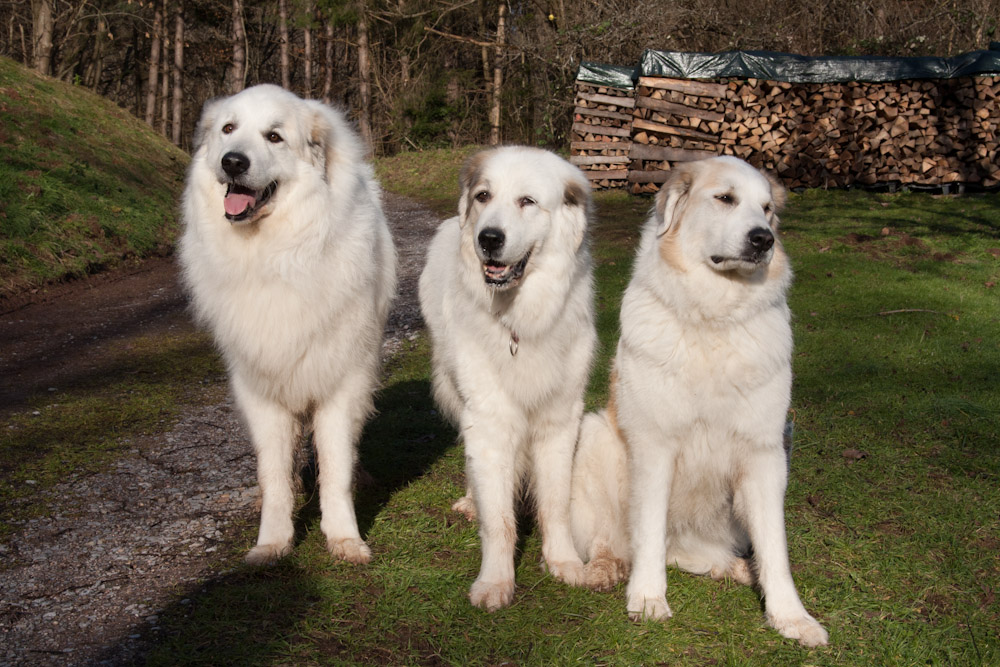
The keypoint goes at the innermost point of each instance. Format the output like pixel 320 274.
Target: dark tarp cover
pixel 614 76
pixel 772 66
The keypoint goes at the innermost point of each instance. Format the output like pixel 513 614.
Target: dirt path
pixel 84 584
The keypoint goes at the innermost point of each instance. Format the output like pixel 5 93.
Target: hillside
pixel 84 185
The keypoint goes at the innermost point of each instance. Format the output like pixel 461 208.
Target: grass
pixel 892 508
pixel 84 185
pixel 891 511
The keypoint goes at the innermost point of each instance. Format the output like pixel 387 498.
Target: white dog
pixel 687 465
pixel 508 299
pixel 290 263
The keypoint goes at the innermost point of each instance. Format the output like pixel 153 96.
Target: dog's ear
pixel 670 197
pixel 779 196
pixel 468 178
pixel 333 147
pixel 577 207
pixel 205 123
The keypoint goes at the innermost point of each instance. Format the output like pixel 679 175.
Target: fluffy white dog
pixel 290 263
pixel 686 466
pixel 508 300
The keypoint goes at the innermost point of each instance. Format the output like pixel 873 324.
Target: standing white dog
pixel 508 300
pixel 690 448
pixel 290 263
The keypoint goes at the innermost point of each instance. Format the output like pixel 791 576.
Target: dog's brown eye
pixel 483 197
pixel 274 138
pixel 767 208
pixel 228 128
pixel 726 199
pixel 525 201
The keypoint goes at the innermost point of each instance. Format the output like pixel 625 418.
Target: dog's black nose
pixel 235 164
pixel 761 239
pixel 491 241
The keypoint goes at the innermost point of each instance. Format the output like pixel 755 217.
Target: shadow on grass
pixel 254 615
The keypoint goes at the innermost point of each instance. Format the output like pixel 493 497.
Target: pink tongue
pixel 237 203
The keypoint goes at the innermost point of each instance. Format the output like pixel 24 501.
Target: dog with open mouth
pixel 687 466
pixel 289 262
pixel 508 300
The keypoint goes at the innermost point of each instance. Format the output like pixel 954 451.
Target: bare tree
pixel 238 73
pixel 178 112
pixel 307 55
pixel 364 79
pixel 328 60
pixel 286 78
pixel 154 61
pixel 498 75
pixel 42 26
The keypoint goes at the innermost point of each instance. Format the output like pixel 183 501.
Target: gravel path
pixel 84 584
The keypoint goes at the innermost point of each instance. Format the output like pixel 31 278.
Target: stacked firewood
pixel 602 130
pixel 915 132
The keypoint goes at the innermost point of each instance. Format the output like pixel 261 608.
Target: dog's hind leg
pixel 273 431
pixel 338 424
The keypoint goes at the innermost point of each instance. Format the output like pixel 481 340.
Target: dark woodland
pixel 424 73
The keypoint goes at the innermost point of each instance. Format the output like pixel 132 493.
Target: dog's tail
pixel 599 502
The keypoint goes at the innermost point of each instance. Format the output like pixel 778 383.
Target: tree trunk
pixel 165 80
pixel 497 76
pixel 42 26
pixel 286 77
pixel 154 62
pixel 307 52
pixel 178 114
pixel 365 85
pixel 328 62
pixel 238 73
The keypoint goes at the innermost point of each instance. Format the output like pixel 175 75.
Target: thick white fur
pixel 296 299
pixel 518 414
pixel 692 440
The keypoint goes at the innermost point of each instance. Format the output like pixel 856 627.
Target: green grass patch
pixel 430 176
pixel 891 510
pixel 83 183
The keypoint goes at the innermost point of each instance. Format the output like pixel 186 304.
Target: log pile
pixel 915 132
pixel 601 135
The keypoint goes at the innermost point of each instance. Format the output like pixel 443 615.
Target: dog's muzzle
pixel 242 203
pixel 495 272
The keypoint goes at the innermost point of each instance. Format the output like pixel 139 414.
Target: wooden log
pixel 582 128
pixel 666 153
pixel 697 88
pixel 599 145
pixel 678 109
pixel 640 124
pixel 587 160
pixel 600 113
pixel 614 175
pixel 622 102
pixel 657 176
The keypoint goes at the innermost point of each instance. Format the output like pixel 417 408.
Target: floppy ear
pixel 205 123
pixel 779 195
pixel 674 191
pixel 332 144
pixel 467 179
pixel 577 208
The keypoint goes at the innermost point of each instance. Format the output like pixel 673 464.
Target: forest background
pixel 415 74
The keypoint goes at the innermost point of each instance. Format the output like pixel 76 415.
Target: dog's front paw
pixel 603 573
pixel 491 595
pixel 350 549
pixel 642 608
pixel 466 507
pixel 804 628
pixel 568 571
pixel 267 554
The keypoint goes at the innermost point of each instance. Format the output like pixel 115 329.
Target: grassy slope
pixel 891 509
pixel 83 184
